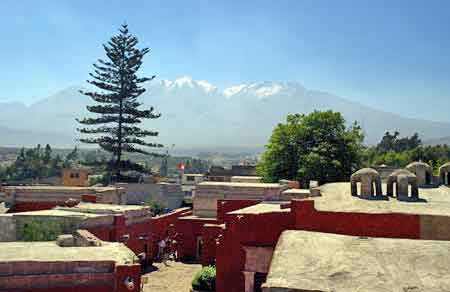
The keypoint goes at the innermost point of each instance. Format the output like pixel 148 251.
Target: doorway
pixel 259 279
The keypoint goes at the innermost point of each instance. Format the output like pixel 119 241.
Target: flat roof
pixel 263 207
pixel 336 197
pixel 59 188
pixel 239 184
pixel 50 251
pixel 297 191
pixel 194 217
pixel 102 208
pixel 58 213
pixel 312 261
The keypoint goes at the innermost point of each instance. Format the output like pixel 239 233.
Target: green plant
pixel 156 207
pixel 205 279
pixel 41 231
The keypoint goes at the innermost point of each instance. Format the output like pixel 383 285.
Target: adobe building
pixel 246 238
pixel 221 174
pixel 31 198
pixel 130 225
pixel 78 262
pixel 188 183
pixel 208 193
pixel 169 195
pixel 341 263
pixel 196 231
pixel 75 177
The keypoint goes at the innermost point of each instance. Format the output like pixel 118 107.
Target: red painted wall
pixel 249 229
pixel 31 206
pixel 139 235
pixel 225 206
pixel 264 230
pixel 210 234
pixel 160 226
pixel 189 229
pixel 356 224
pixel 121 273
pixel 66 289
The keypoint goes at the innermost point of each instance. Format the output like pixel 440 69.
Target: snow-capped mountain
pixel 196 113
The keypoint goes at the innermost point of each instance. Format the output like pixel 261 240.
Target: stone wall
pixel 7 228
pixel 207 194
pixel 169 195
pixel 42 196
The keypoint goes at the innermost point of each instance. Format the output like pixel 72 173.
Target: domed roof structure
pixel 445 165
pixel 418 164
pixel 366 172
pixel 405 172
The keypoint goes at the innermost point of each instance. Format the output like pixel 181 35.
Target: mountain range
pixel 197 114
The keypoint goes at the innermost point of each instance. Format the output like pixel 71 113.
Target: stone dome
pixel 418 164
pixel 366 172
pixel 405 172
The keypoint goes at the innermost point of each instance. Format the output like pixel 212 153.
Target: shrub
pixel 41 231
pixel 156 207
pixel 205 279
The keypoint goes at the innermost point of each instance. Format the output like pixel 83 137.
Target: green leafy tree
pixel 71 158
pixel 117 111
pixel 317 146
pixel 392 142
pixel 47 154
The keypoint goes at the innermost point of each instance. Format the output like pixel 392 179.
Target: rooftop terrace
pixel 311 261
pixel 239 184
pixel 336 197
pixel 98 208
pixel 51 252
pixel 264 207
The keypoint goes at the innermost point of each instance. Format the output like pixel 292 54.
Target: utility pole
pixel 164 170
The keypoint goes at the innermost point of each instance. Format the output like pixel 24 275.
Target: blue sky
pixel 389 54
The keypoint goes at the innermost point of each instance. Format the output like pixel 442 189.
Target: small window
pixel 77 175
pixel 190 178
pixel 72 175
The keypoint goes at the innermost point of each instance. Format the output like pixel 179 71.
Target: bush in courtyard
pixel 41 231
pixel 156 207
pixel 205 279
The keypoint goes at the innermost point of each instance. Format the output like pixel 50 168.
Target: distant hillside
pixel 197 115
pixel 438 141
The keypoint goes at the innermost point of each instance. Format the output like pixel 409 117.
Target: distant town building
pixel 221 174
pixel 75 177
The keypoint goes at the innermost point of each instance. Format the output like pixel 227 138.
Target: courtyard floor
pixel 175 277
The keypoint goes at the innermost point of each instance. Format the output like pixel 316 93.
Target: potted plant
pixel 204 280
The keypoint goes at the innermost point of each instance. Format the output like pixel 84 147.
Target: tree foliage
pixel 392 142
pixel 398 154
pixel 317 146
pixel 117 112
pixel 38 163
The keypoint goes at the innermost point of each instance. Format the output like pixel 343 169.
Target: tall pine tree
pixel 118 111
